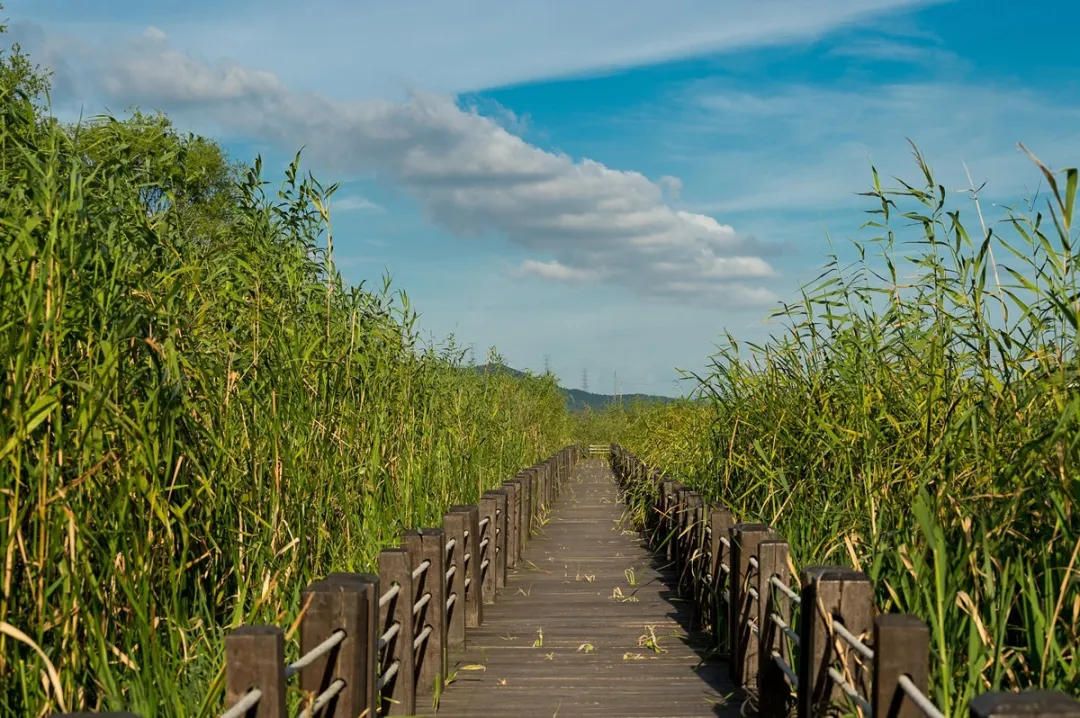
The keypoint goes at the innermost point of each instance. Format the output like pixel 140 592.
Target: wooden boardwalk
pixel 571 634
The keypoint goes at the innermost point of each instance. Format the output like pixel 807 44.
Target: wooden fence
pixel 371 644
pixel 818 647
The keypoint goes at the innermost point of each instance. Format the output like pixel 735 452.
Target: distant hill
pixel 576 399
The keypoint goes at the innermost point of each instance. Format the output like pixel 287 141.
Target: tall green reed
pixel 918 418
pixel 198 415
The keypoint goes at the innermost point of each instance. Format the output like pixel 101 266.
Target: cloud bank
pixel 582 221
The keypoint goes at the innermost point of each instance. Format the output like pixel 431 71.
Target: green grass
pixel 917 418
pixel 198 417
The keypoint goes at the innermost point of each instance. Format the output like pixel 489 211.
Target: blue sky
pixel 610 185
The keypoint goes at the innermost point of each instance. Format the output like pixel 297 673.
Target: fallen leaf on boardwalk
pixel 633 657
pixel 502 681
pixel 473 667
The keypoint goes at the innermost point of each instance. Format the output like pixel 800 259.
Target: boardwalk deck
pixel 591 660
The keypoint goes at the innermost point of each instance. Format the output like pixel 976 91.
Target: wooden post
pixel 544 479
pixel 721 521
pixel 1028 704
pixel 830 593
pixel 901 648
pixel 470 560
pixel 774 694
pixel 666 523
pixel 744 609
pixel 399 694
pixel 339 602
pixel 488 505
pixel 694 553
pixel 529 480
pixel 454 525
pixel 513 522
pixel 426 561
pixel 671 527
pixel 525 498
pixel 652 519
pixel 254 659
pixel 682 543
pixel 432 671
pixel 498 537
pixel 359 657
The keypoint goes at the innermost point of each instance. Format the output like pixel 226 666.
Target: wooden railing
pixel 371 644
pixel 817 647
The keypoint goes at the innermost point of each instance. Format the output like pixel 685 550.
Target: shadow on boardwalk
pixel 590 624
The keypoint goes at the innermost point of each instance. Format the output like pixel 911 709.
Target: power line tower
pixel 585 380
pixel 547 365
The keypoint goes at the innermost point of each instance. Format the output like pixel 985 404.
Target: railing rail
pixel 817 648
pixel 370 644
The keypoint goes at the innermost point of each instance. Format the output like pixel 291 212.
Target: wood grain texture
pixel 572 589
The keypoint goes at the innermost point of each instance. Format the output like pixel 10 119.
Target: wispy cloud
pixel 355 203
pixel 884 49
pixel 336 46
pixel 807 147
pixel 470 174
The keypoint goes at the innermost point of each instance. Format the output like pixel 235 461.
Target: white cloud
pixel 808 148
pixel 354 203
pixel 470 174
pixel 558 272
pixel 344 47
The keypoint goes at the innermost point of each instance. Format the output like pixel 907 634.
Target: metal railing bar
pixel 789 672
pixel 852 640
pixel 850 692
pixel 389 595
pixel 385 638
pixel 917 697
pixel 315 653
pixel 390 673
pixel 323 698
pixel 775 618
pixel 419 640
pixel 245 704
pixel 419 570
pixel 419 605
pixel 784 589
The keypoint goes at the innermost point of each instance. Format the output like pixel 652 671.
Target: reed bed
pixel 198 416
pixel 917 418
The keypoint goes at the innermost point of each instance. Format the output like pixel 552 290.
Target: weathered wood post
pixel 673 509
pixel 525 498
pixel 513 522
pixel 745 539
pixel 470 561
pixel 396 640
pixel 499 534
pixel 1028 704
pixel 454 527
pixel 720 522
pixel 669 532
pixel 901 648
pixel 830 593
pixel 774 694
pixel 339 602
pixel 427 554
pixel 488 507
pixel 254 660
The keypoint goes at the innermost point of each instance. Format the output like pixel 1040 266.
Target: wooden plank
pixel 573 632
